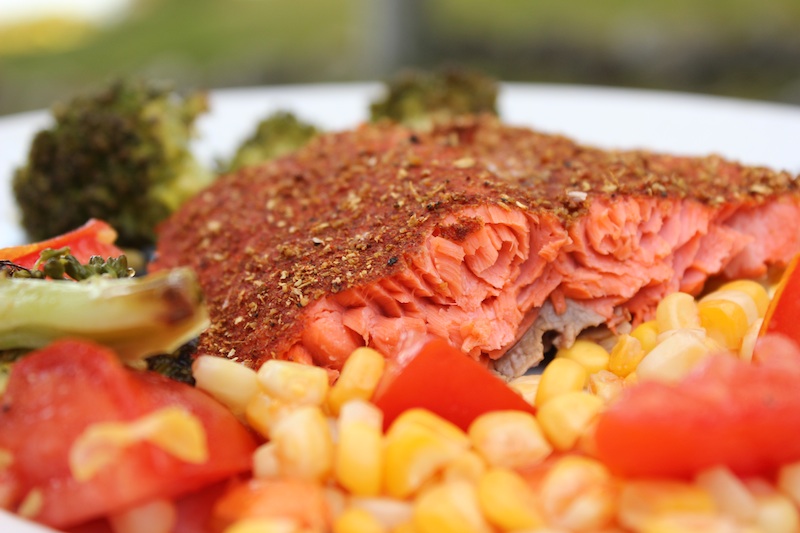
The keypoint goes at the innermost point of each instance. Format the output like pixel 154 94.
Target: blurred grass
pixel 729 47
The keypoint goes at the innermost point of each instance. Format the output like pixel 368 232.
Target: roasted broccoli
pixel 276 135
pixel 420 99
pixel 121 155
pixel 137 317
pixel 176 365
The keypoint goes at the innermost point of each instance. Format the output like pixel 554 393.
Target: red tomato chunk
pixel 54 394
pixel 727 412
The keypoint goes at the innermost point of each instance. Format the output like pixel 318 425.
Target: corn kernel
pixel 360 375
pixel 450 508
pixel 730 495
pixel 742 299
pixel 647 334
pixel 642 501
pixel 418 445
pixel 507 501
pixel 526 386
pixel 677 311
pixel 354 520
pixel 266 463
pixel 590 355
pixel 626 355
pixel 724 321
pixel 579 494
pixel 560 376
pixel 510 439
pixel 293 383
pixel 232 383
pixel 674 357
pixel 565 418
pixel 390 512
pixel 468 465
pixel 777 514
pixel 358 460
pixel 789 481
pixel 754 289
pixel 605 385
pixel 303 444
pixel 749 341
pixel 263 525
pixel 692 523
pixel 262 412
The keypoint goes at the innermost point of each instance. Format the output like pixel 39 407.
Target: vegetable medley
pixel 685 424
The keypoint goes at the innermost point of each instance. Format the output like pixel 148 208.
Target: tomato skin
pixel 726 412
pixel 446 381
pixel 55 393
pixel 784 308
pixel 93 238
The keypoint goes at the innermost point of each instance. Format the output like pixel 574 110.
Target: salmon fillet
pixel 494 237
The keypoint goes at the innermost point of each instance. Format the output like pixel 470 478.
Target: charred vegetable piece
pixel 91 437
pixel 446 381
pixel 726 412
pixel 421 99
pixel 279 134
pixel 137 317
pixel 120 154
pixel 176 365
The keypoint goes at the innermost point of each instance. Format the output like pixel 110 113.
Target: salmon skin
pixel 494 237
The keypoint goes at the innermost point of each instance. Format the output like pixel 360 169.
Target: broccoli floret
pixel 278 134
pixel 136 317
pixel 176 365
pixel 420 99
pixel 121 155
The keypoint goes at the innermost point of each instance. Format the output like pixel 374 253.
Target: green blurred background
pixel 740 48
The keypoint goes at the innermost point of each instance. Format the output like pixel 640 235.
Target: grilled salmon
pixel 498 238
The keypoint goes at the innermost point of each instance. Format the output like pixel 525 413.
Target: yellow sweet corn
pixel 674 356
pixel 776 513
pixel 753 289
pixel 526 386
pixel 354 520
pixel 450 507
pixel 742 299
pixel 155 516
pixel 626 355
pixel 605 385
pixel 468 465
pixel 565 418
pixel 588 354
pixel 789 481
pixel 390 512
pixel 510 439
pixel 357 381
pixel 724 321
pixel 303 444
pixel 263 525
pixel 263 411
pixel 677 311
pixel 730 494
pixel 560 376
pixel 232 383
pixel 647 334
pixel 693 523
pixel 507 501
pixel 579 494
pixel 417 446
pixel 749 341
pixel 358 459
pixel 646 500
pixel 293 383
pixel 266 463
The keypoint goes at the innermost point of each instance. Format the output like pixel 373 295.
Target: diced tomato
pixel 784 308
pixel 444 380
pixel 93 238
pixel 726 412
pixel 54 394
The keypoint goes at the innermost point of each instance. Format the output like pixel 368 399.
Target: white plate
pixel 751 132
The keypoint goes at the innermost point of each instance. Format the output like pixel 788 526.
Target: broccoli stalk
pixel 277 135
pixel 121 155
pixel 422 99
pixel 137 317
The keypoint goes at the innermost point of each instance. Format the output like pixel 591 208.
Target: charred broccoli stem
pixel 420 99
pixel 176 365
pixel 136 317
pixel 121 155
pixel 278 134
